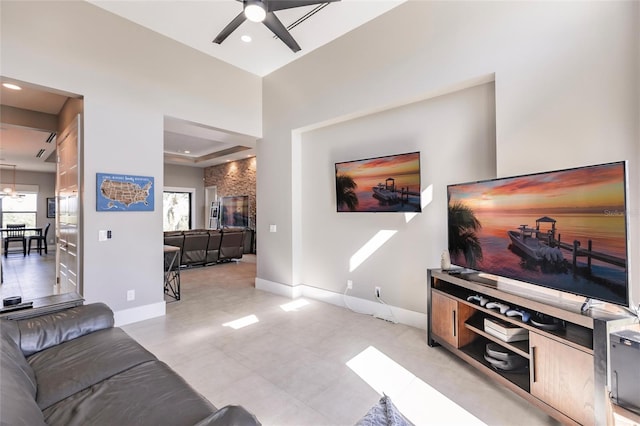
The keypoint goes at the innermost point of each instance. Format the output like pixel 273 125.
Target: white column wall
pixel 130 78
pixel 566 94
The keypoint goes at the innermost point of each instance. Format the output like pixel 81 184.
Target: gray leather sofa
pixel 199 247
pixel 73 367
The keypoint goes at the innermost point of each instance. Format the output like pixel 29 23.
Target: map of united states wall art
pixel 124 192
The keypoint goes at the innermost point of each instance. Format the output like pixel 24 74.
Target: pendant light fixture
pixel 10 190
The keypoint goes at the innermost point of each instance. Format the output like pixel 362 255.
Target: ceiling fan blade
pixel 273 5
pixel 231 27
pixel 273 23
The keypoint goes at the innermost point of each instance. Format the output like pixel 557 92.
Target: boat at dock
pixel 386 191
pixel 527 242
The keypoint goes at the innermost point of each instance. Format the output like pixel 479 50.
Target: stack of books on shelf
pixel 505 331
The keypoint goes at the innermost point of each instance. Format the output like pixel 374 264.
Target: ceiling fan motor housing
pixel 263 11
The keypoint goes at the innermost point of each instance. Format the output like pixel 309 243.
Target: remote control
pixel 477 298
pixel 503 308
pixel 520 313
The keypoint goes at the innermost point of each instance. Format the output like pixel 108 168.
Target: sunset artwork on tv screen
pixel 565 229
pixel 382 184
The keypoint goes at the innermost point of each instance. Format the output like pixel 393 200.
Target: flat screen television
pixel 565 230
pixel 381 184
pixel 234 211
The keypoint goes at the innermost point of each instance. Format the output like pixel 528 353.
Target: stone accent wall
pixel 235 178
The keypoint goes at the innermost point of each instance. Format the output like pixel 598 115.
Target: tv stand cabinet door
pixel 563 377
pixel 447 320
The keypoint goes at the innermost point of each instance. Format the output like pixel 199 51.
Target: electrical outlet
pixel 131 295
pixel 349 284
pixel 377 291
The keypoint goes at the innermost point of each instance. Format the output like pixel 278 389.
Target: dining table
pixel 36 230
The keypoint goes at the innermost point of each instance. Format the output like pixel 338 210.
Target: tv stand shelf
pixel 565 371
pixel 475 324
pixel 475 351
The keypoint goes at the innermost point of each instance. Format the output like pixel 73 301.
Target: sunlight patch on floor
pixel 370 247
pixel 295 305
pixel 241 322
pixel 418 402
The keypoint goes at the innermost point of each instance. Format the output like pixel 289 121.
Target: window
pixel 176 209
pixel 22 209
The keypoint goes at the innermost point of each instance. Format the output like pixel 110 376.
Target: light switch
pixel 272 228
pixel 102 235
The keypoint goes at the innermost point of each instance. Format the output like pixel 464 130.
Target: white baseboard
pixel 141 313
pixel 363 306
pixel 279 289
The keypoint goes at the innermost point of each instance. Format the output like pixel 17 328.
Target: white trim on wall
pixel 140 313
pixel 362 306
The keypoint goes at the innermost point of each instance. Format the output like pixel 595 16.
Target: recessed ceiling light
pixel 12 86
pixel 246 38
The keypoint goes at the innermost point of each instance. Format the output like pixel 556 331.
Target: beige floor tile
pixel 290 367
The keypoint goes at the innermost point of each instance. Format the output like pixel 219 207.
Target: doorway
pixel 32 118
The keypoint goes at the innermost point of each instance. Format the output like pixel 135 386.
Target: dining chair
pixel 14 234
pixel 41 240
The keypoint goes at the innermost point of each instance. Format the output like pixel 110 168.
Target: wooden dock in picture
pixel 404 194
pixel 577 251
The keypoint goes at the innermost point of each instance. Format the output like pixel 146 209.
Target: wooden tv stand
pixel 566 374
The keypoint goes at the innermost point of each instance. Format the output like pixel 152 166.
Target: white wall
pixel 566 94
pixel 130 79
pixel 459 127
pixel 188 177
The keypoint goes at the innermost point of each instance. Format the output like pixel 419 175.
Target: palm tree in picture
pixel 463 237
pixel 345 192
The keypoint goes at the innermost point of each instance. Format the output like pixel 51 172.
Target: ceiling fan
pixel 262 11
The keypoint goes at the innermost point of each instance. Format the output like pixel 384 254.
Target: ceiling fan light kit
pixel 263 11
pixel 255 11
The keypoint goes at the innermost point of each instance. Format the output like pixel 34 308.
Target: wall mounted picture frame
pixel 116 192
pixel 51 207
pixel 381 184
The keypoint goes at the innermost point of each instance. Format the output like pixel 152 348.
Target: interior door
pixel 68 275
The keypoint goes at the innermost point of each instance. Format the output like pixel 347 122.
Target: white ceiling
pixel 19 145
pixel 195 24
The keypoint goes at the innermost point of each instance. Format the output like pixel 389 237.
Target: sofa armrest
pixel 42 332
pixel 230 415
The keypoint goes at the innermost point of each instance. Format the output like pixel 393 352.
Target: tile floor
pixel 301 365
pixel 314 363
pixel 30 276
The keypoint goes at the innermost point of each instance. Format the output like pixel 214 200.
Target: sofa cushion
pixel 17 382
pixel 77 364
pixel 10 350
pixel 230 415
pixel 49 330
pixel 148 394
pixel 232 244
